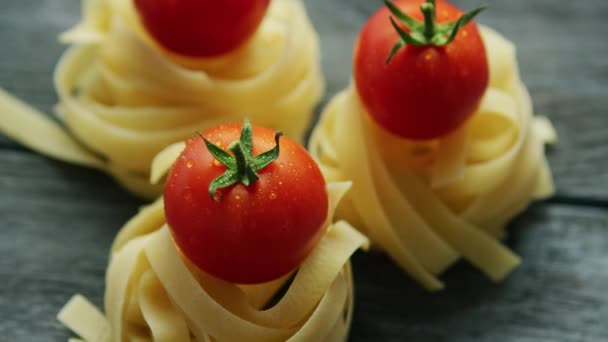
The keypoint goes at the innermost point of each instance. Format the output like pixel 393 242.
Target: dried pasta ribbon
pixel 428 203
pixel 153 293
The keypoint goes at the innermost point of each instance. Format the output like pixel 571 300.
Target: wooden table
pixel 57 220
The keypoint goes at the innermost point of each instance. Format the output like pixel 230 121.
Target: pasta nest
pixel 123 98
pixel 154 293
pixel 428 203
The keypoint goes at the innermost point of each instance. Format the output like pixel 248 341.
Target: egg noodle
pixel 123 98
pixel 154 293
pixel 429 203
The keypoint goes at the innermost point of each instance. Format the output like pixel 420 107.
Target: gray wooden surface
pixel 57 220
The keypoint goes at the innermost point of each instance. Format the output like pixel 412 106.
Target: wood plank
pixel 59 222
pixel 558 294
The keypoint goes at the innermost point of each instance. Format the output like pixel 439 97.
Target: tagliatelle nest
pixel 428 203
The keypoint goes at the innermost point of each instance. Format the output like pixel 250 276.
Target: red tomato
pixel 201 28
pixel 255 233
pixel 424 91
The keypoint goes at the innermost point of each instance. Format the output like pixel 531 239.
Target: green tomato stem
pixel 427 33
pixel 242 166
pixel 428 9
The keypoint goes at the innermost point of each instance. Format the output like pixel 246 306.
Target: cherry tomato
pixel 425 91
pixel 246 234
pixel 201 28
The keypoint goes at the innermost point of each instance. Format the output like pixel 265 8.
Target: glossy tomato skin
pixel 201 28
pixel 424 92
pixel 256 233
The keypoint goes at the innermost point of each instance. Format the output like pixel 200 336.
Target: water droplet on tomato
pixel 281 165
pixel 187 195
pixel 189 164
pixel 272 195
pixel 216 162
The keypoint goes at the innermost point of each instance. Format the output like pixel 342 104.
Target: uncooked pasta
pixel 154 293
pixel 428 203
pixel 123 98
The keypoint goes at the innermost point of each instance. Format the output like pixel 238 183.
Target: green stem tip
pixel 429 32
pixel 242 166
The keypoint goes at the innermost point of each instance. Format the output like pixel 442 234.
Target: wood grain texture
pixel 58 220
pixel 558 294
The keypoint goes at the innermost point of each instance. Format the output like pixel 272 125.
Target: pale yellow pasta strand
pixel 353 156
pixel 532 178
pixel 46 136
pixel 125 98
pixel 224 90
pixel 197 87
pixel 259 295
pixel 165 323
pixel 284 310
pixel 146 117
pixel 125 267
pixel 465 186
pixel 135 296
pixel 132 150
pixel 500 53
pixel 228 325
pixel 321 140
pixel 475 245
pixel 414 233
pixel 163 161
pixel 450 158
pixel 147 220
pixel 84 319
pixel 92 26
pixel 316 273
pixel 482 177
pixel 494 127
pixel 481 250
pixel 324 319
pixel 545 187
pixel 192 93
pixel 33 129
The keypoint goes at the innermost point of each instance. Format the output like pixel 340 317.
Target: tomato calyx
pixel 429 32
pixel 242 166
